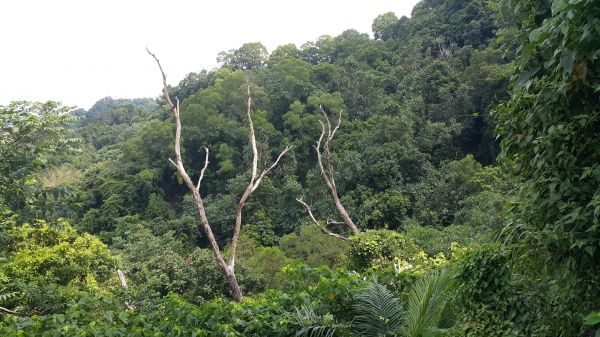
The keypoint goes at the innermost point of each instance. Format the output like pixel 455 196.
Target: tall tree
pixel 383 25
pixel 250 55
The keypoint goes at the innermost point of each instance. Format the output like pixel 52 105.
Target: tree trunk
pixel 236 292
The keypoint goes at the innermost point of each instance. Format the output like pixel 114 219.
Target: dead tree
pixel 228 268
pixel 326 168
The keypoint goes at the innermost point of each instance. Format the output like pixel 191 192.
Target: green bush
pixel 47 266
pixel 378 248
pixel 433 240
pixel 313 247
pixel 262 263
pixel 157 265
pixel 271 313
pixel 103 316
pixel 331 290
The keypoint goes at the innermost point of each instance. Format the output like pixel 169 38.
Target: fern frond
pixel 379 313
pixel 426 302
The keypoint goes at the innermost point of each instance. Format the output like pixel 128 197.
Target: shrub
pixel 378 248
pixel 313 247
pixel 103 316
pixel 330 290
pixel 272 313
pixel 434 240
pixel 48 266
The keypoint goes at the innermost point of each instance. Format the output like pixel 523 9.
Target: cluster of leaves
pixel 269 314
pixel 317 300
pixel 378 248
pixel 490 303
pixel 549 133
pixel 593 319
pixel 48 266
pixel 549 128
pixel 313 248
pixel 31 135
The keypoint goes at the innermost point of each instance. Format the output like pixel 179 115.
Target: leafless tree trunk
pixel 326 168
pixel 227 268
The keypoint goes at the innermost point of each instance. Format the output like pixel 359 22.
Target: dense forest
pixel 439 179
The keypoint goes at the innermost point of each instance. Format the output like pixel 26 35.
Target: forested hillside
pixel 439 179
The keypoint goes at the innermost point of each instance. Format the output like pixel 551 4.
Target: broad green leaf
pixel 558 6
pixel 592 319
pixel 535 34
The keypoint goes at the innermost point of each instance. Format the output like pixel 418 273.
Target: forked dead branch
pixel 228 268
pixel 326 168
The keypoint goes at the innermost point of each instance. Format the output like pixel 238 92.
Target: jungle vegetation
pixel 439 179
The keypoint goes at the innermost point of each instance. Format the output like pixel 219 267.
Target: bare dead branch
pixel 266 171
pixel 338 125
pixel 331 222
pixel 328 122
pixel 323 229
pixel 252 134
pixel 324 173
pixel 164 76
pixel 123 282
pixel 326 168
pixel 228 269
pixel 254 180
pixel 8 311
pixel 203 169
pixel 330 132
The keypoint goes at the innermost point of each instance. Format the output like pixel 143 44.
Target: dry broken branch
pixel 314 220
pixel 8 311
pixel 266 171
pixel 123 282
pixel 326 169
pixel 203 169
pixel 122 278
pixel 255 180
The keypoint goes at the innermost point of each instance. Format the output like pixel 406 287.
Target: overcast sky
pixel 80 51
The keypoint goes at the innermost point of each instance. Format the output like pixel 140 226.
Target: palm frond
pixel 426 301
pixel 378 312
pixel 316 331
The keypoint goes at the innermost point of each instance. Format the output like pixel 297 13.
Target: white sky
pixel 78 51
